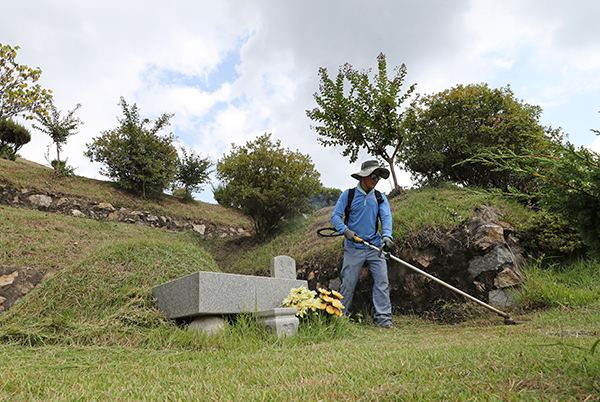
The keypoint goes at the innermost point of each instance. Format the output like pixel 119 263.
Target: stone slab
pixel 214 293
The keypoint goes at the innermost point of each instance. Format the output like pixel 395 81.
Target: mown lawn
pixel 546 358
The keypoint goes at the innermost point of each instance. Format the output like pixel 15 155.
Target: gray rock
pixel 494 260
pixel 40 200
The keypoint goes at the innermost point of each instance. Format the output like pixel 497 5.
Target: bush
pixel 135 156
pixel 12 137
pixel 548 235
pixel 267 183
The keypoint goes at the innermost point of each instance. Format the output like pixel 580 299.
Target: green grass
pixel 444 208
pixel 417 361
pixel 23 173
pixel 565 285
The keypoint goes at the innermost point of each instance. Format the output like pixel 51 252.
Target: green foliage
pixel 12 137
pixel 548 235
pixel 266 182
pixel 367 116
pixel 134 155
pixel 18 94
pixel 192 172
pixel 62 169
pixel 59 129
pixel 449 127
pixel 569 180
pixel 325 197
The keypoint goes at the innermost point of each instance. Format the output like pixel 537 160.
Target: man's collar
pixel 359 187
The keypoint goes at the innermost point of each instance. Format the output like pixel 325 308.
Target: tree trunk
pixel 57 169
pixel 390 162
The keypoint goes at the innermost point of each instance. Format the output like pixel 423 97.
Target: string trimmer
pixel 386 254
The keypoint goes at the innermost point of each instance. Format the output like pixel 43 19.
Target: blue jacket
pixel 363 217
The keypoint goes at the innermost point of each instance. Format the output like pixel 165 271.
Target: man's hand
pixel 387 243
pixel 350 235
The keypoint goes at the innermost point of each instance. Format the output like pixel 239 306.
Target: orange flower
pixel 337 304
pixel 324 291
pixel 337 294
pixel 337 312
pixel 330 309
pixel 327 299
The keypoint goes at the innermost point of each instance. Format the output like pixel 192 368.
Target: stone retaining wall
pixel 78 207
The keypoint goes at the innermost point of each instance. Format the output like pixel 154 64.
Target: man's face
pixel 368 183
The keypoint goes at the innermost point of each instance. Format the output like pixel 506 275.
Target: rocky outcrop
pixel 479 257
pixel 16 282
pixel 82 208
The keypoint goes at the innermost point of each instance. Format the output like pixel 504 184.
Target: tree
pixel 570 183
pixel 325 197
pixel 12 137
pixel 17 92
pixel 368 116
pixel 449 127
pixel 266 182
pixel 135 156
pixel 59 129
pixel 192 172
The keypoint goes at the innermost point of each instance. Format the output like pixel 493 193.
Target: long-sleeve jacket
pixel 363 217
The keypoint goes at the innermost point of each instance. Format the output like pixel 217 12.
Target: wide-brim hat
pixel 369 167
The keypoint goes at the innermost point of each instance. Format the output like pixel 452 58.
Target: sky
pixel 231 70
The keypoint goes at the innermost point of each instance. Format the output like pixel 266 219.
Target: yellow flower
pixel 337 312
pixel 324 291
pixel 330 309
pixel 337 294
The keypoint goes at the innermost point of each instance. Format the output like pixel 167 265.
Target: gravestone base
pixel 207 324
pixel 279 321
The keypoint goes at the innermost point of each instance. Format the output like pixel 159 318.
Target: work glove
pixel 350 235
pixel 386 246
pixel 387 243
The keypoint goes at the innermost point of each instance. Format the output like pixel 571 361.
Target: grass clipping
pixel 105 299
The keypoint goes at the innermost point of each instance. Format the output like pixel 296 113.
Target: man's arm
pixel 337 216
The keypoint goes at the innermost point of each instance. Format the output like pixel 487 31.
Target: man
pixel 367 205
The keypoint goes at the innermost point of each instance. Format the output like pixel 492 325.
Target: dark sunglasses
pixel 375 176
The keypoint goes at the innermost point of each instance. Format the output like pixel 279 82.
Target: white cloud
pixel 93 52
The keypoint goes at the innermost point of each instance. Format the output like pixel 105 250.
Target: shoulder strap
pixel 347 209
pixel 349 204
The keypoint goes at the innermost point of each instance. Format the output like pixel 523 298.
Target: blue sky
pixel 234 69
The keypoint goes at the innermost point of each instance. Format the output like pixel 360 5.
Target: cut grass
pixel 417 361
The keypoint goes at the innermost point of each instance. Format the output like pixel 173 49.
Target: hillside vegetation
pixel 96 330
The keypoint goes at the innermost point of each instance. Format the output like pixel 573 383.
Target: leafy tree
pixel 367 116
pixel 17 92
pixel 12 137
pixel 192 172
pixel 266 182
pixel 325 197
pixel 449 127
pixel 59 129
pixel 135 155
pixel 570 183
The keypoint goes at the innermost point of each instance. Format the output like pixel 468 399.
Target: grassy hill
pixel 97 335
